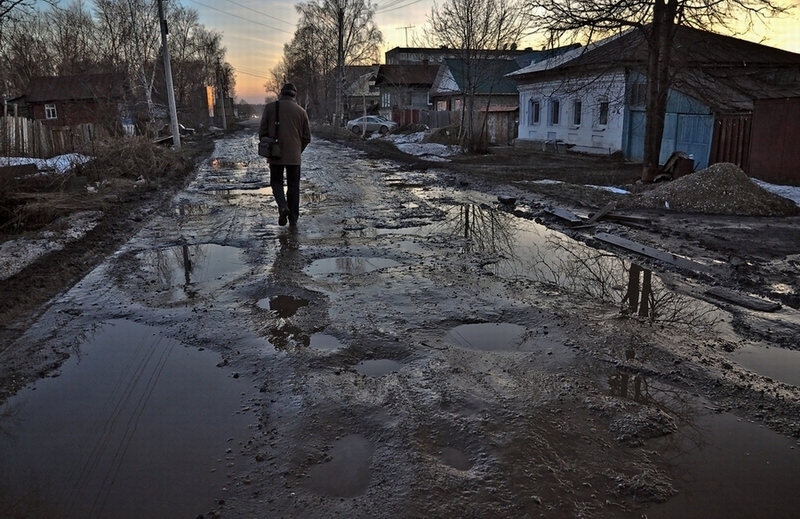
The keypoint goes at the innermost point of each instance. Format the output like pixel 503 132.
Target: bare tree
pixel 10 7
pixel 71 34
pixel 657 20
pixel 478 31
pixel 331 35
pixel 24 52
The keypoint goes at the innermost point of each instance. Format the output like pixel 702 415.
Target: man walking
pixel 287 121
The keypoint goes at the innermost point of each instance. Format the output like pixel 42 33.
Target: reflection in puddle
pixel 378 367
pixel 227 164
pixel 520 248
pixel 133 414
pixel 348 265
pixel 740 471
pixel 321 341
pixel 489 337
pixel 255 191
pixel 182 271
pixel 456 459
pixel 283 306
pixel 776 363
pixel 190 210
pixel 347 474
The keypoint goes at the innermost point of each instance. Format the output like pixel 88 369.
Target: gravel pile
pixel 719 189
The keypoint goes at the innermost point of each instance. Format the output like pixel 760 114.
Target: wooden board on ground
pixel 564 214
pixel 737 298
pixel 651 252
pixel 602 212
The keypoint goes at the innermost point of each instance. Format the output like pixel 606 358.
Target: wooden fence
pixel 22 137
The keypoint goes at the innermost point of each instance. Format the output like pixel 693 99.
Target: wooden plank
pixel 564 214
pixel 602 212
pixel 737 298
pixel 666 257
pixel 640 220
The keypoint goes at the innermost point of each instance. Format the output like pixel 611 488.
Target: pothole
pixel 456 459
pixel 489 337
pixel 185 271
pixel 127 417
pixel 283 306
pixel 378 367
pixel 776 363
pixel 321 341
pixel 348 265
pixel 347 473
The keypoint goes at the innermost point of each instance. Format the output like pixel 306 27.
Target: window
pixel 386 100
pixel 536 112
pixel 555 112
pixel 50 112
pixel 458 105
pixel 441 106
pixel 602 112
pixel 638 94
pixel 577 107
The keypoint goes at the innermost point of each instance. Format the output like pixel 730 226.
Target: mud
pixel 415 349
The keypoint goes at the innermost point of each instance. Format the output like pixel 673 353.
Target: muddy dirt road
pixel 408 350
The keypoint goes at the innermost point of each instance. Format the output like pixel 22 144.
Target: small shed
pixel 774 153
pixel 75 100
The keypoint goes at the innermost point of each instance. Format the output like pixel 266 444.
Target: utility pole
pixel 173 112
pixel 407 27
pixel 340 68
pixel 221 95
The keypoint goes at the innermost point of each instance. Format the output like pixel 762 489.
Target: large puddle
pixel 730 469
pixel 185 271
pixel 135 425
pixel 352 265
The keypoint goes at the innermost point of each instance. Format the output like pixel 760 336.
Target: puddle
pixel 777 363
pixel 130 428
pixel 490 337
pixel 347 474
pixel 456 459
pixel 227 164
pixel 191 210
pixel 378 367
pixel 283 306
pixel 321 341
pixel 736 470
pixel 181 272
pixel 255 191
pixel 348 265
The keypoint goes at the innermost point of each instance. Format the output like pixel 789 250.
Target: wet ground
pixel 411 349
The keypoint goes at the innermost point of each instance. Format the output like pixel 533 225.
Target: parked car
pixel 371 123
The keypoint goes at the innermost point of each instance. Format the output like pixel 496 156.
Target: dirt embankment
pixel 112 195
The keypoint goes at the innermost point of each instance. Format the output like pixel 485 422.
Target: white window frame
pixel 577 115
pixel 386 100
pixel 603 111
pixel 554 113
pixel 535 114
pixel 50 111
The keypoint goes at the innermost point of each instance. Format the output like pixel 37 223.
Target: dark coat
pixel 294 133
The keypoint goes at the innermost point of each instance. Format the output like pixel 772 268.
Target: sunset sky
pixel 255 31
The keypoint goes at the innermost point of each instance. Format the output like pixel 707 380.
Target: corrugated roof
pixel 724 72
pixel 406 75
pixel 488 75
pixel 72 88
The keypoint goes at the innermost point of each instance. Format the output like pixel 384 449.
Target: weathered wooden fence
pixel 22 137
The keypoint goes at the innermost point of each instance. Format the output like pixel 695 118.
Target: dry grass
pixel 121 168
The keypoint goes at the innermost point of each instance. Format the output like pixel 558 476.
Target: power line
pixel 391 6
pixel 259 12
pixel 241 17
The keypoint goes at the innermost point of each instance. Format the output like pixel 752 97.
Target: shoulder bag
pixel 270 147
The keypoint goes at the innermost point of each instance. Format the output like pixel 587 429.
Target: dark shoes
pixel 284 217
